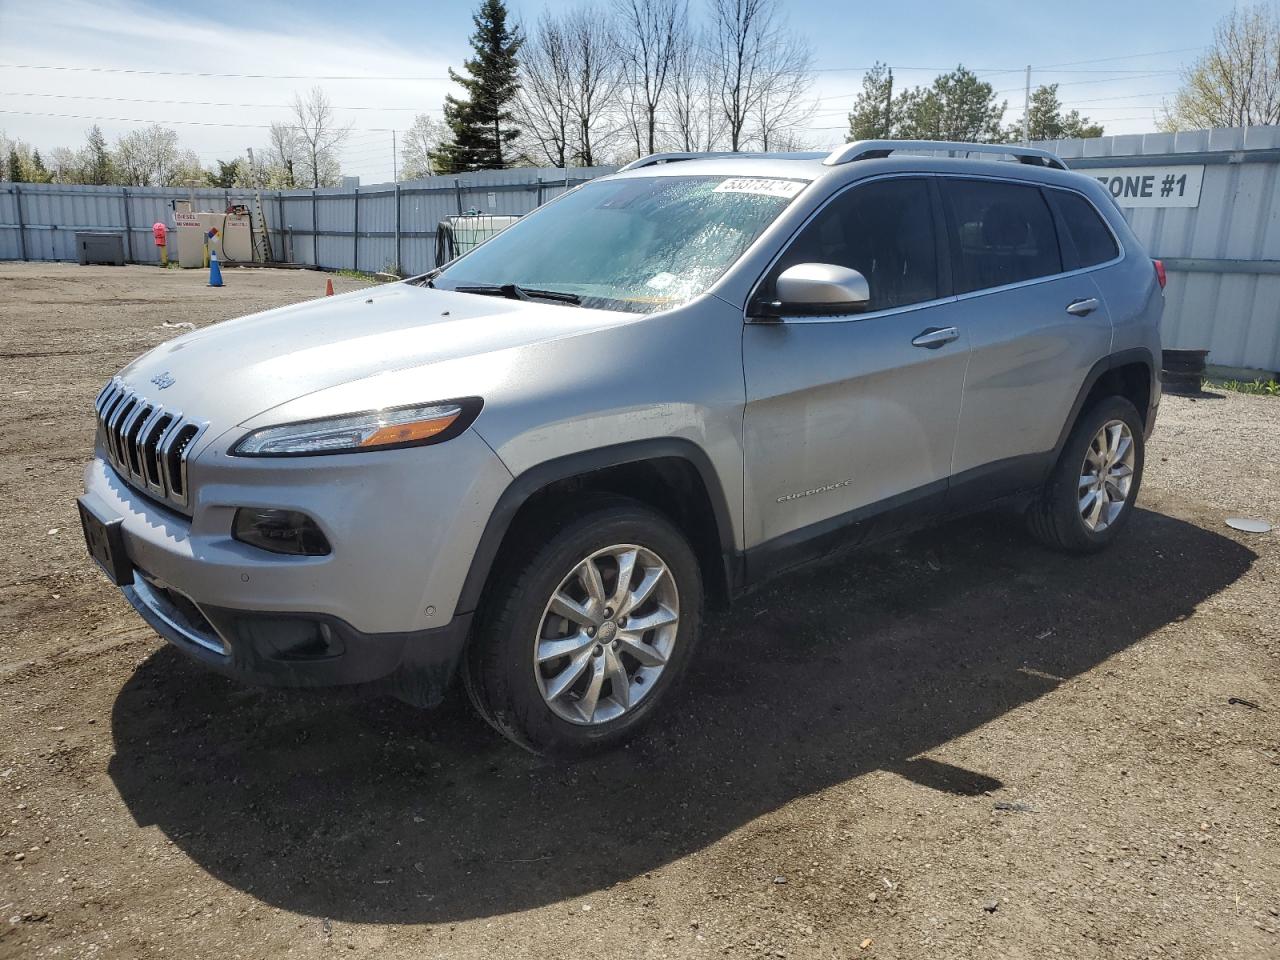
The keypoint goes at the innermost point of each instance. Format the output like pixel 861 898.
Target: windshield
pixel 637 244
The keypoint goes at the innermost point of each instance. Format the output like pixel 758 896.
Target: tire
pixel 517 695
pixel 1062 516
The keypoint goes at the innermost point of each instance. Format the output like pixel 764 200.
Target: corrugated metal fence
pixel 1221 247
pixel 367 228
pixel 1223 253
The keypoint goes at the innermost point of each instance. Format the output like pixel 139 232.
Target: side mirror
pixel 819 288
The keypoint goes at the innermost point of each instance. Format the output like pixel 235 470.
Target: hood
pixel 228 372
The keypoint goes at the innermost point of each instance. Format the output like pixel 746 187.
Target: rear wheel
pixel 1089 496
pixel 589 623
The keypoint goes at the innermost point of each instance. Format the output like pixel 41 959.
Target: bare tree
pixel 282 154
pixel 685 110
pixel 595 81
pixel 569 84
pixel 149 157
pixel 421 140
pixel 1237 83
pixel 751 49
pixel 67 165
pixel 650 40
pixel 544 105
pixel 782 109
pixel 320 137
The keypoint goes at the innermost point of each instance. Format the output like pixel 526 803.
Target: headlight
pixel 374 430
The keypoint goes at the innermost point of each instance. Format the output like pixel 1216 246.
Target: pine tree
pixel 15 166
pixel 98 165
pixel 39 173
pixel 480 123
pixel 872 113
pixel 956 106
pixel 1046 121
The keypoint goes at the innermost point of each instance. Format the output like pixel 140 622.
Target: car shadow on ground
pixel 369 811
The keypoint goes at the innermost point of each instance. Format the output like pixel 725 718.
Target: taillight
pixel 1160 277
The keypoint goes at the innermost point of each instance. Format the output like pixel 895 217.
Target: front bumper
pixel 301 650
pixel 403 524
pixel 382 606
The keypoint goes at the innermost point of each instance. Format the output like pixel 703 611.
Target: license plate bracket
pixel 105 539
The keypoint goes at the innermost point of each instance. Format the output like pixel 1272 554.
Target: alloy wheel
pixel 1106 475
pixel 606 634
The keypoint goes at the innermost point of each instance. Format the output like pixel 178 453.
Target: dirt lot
pixel 957 745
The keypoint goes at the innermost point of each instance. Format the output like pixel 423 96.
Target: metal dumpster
pixel 105 248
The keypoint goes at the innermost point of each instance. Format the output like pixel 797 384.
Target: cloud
pixel 137 36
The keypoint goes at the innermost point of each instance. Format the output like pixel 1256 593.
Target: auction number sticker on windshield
pixel 762 185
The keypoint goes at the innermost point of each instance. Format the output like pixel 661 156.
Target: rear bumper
pixel 302 650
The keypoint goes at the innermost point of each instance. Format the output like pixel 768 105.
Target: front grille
pixel 147 443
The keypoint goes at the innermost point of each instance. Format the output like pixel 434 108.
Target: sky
pixel 1116 62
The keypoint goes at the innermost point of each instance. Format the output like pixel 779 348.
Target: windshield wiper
pixel 514 292
pixel 426 279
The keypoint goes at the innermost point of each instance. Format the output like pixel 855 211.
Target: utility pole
pixel 888 108
pixel 1026 111
pixel 253 172
pixel 395 170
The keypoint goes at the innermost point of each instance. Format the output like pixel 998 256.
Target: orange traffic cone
pixel 328 287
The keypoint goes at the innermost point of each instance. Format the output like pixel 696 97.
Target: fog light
pixel 280 531
pixel 290 638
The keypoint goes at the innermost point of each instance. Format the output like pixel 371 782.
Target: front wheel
pixel 589 623
pixel 1088 498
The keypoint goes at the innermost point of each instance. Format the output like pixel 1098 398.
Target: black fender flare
pixel 572 465
pixel 1122 358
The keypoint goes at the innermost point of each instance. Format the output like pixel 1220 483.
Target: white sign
pixel 766 187
pixel 186 218
pixel 1173 186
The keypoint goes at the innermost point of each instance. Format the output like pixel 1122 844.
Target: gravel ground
pixel 953 745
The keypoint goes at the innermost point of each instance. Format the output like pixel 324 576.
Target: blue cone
pixel 215 271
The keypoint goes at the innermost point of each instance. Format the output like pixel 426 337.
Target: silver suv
pixel 535 464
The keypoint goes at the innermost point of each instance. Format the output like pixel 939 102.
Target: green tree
pixel 872 113
pixel 38 172
pixel 480 124
pixel 97 166
pixel 1046 120
pixel 15 166
pixel 227 175
pixel 956 106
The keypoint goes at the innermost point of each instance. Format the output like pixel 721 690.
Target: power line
pixel 1127 56
pixel 218 76
pixel 1129 96
pixel 990 70
pixel 1077 83
pixel 189 123
pixel 203 103
pixel 384 77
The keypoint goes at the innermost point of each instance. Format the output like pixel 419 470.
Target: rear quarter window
pixel 1087 240
pixel 1001 233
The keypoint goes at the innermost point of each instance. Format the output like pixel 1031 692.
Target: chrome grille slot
pixel 132 427
pixel 146 443
pixel 176 460
pixel 150 450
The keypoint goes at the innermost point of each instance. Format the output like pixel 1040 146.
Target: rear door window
pixel 1001 233
pixel 1086 239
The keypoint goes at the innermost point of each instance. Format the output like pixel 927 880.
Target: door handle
pixel 935 337
pixel 1082 308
